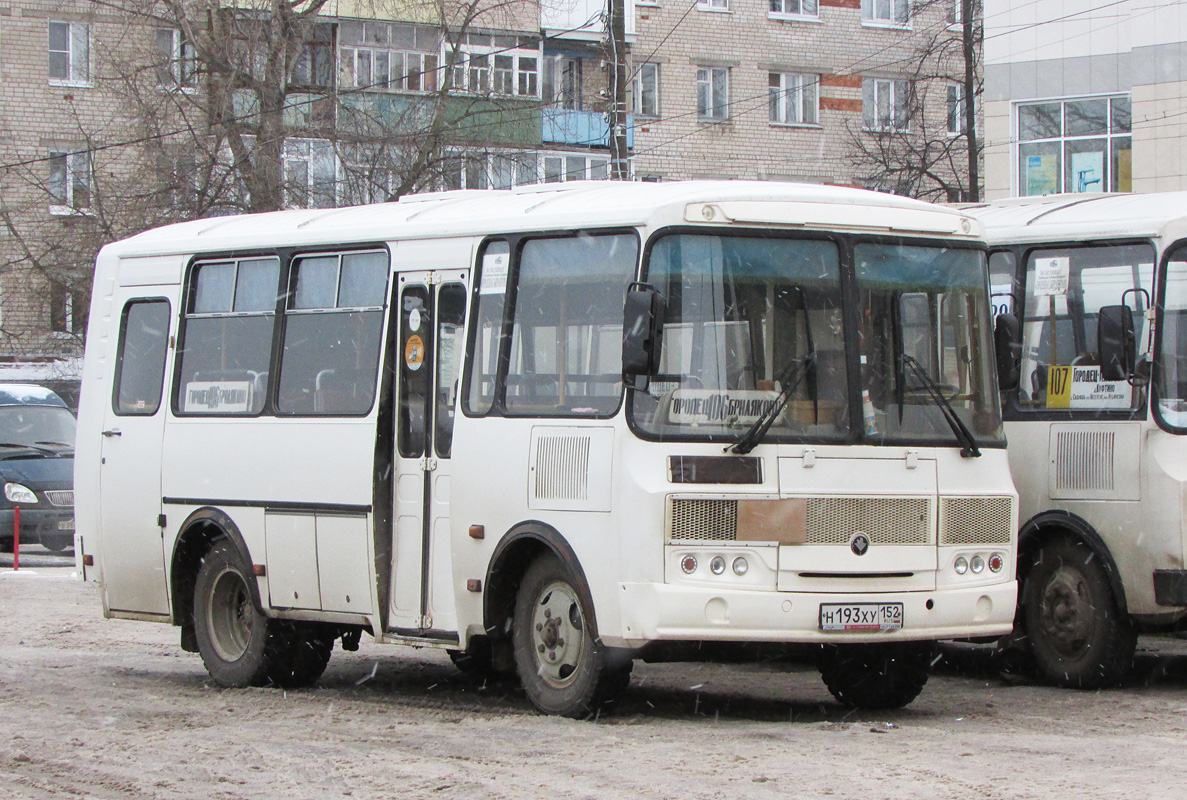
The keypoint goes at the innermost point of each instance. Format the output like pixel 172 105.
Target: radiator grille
pixel 562 468
pixel 60 497
pixel 830 520
pixel 704 520
pixel 975 520
pixel 834 520
pixel 1084 460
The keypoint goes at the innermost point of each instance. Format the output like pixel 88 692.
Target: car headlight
pixel 16 493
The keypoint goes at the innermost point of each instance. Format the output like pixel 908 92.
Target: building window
pixel 647 90
pixel 884 104
pixel 563 82
pixel 67 315
pixel 177 66
pixel 713 5
pixel 713 93
pixel 954 12
pixel 794 8
pixel 503 170
pixel 69 52
pixel 315 62
pixel 885 12
pixel 309 173
pixel 508 66
pixel 956 115
pixel 69 182
pixel 1075 145
pixel 390 57
pixel 793 98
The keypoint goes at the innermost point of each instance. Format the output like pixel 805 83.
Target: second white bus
pixel 553 430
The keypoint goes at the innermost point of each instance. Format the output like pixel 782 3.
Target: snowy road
pixel 94 708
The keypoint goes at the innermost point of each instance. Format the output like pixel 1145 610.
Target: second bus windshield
pixel 751 317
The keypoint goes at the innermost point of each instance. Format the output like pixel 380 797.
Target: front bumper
pixel 655 612
pixel 39 525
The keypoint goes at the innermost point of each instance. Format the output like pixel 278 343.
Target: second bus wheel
pixel 238 644
pixel 1078 636
pixel 562 669
pixel 876 676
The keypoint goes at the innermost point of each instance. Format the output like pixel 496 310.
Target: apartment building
pixel 118 117
pixel 856 92
pixel 1085 97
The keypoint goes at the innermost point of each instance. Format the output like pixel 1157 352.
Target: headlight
pixel 19 494
pixel 961 566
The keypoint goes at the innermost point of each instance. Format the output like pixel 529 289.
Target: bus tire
pixel 876 676
pixel 299 652
pixel 237 643
pixel 562 669
pixel 1078 636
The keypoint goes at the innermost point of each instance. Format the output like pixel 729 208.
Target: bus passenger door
pixel 133 560
pixel 431 308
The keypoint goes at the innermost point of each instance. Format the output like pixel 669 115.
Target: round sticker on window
pixel 414 319
pixel 414 352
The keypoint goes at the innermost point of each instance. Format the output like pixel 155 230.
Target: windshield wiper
pixel 967 441
pixel 28 446
pixel 791 377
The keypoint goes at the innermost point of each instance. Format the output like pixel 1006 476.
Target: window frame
pixel 782 98
pixel 1116 133
pixel 898 105
pixel 641 90
pixel 118 373
pixel 497 407
pixel 78 65
pixel 783 13
pixel 180 64
pixel 898 14
pixel 714 6
pixel 76 171
pixel 708 86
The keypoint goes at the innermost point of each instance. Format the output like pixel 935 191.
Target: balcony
pixel 582 128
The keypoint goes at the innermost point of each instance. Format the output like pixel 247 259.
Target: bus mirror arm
pixel 642 334
pixel 1007 347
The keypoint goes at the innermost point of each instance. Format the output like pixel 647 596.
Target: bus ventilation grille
pixel 975 520
pixel 1084 460
pixel 562 468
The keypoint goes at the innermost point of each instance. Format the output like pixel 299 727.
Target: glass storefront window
pixel 1075 145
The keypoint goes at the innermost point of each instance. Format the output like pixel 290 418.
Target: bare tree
pixel 926 143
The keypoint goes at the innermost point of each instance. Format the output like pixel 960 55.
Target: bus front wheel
pixel 238 644
pixel 876 676
pixel 1078 637
pixel 563 670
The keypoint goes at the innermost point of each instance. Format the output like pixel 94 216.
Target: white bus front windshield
pixel 751 320
pixel 743 313
pixel 1171 373
pixel 924 335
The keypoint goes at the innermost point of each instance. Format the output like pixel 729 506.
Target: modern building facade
pixel 1085 97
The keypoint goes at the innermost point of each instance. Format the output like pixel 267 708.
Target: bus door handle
pixel 113 432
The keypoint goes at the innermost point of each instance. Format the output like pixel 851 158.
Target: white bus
pixel 1096 410
pixel 553 430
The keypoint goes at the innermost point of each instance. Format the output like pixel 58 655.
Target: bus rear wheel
pixel 238 644
pixel 876 676
pixel 563 670
pixel 1078 637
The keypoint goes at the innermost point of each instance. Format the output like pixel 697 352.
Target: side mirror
pixel 1116 342
pixel 642 334
pixel 1007 347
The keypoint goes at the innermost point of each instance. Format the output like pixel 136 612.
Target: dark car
pixel 36 467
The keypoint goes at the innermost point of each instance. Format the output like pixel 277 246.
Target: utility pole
pixel 967 8
pixel 619 86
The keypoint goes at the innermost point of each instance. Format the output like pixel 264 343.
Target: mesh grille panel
pixel 704 520
pixel 60 497
pixel 1084 460
pixel 975 520
pixel 885 520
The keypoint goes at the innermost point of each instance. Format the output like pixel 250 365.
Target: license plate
pixel 874 617
pixel 66 525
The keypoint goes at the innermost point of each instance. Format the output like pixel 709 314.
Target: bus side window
pixel 333 326
pixel 140 370
pixel 451 319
